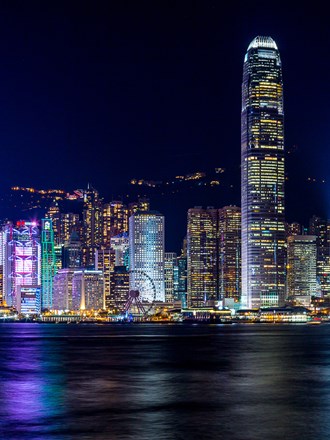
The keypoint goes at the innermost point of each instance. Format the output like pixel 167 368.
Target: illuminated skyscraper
pixel 230 251
pixel 146 237
pixel 114 221
pixel 120 244
pixel 22 259
pixel 48 263
pixel 2 265
pixel 62 289
pixel 92 215
pixel 87 290
pixel 105 262
pixel 301 266
pixel 202 257
pixel 54 214
pixel 69 223
pixel 320 227
pixel 171 274
pixel 119 289
pixel 262 168
pixel 72 252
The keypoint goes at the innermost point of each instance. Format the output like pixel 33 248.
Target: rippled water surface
pixel 244 382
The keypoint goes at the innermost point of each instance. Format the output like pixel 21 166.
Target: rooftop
pixel 266 42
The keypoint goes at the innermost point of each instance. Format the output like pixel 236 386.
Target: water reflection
pixel 32 391
pixel 164 382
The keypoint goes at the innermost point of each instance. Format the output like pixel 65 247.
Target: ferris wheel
pixel 142 293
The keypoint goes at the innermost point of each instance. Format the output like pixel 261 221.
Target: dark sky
pixel 105 91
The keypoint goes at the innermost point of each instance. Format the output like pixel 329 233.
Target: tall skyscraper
pixel 146 237
pixel 62 289
pixel 92 216
pixel 230 252
pixel 48 263
pixel 171 276
pixel 72 252
pixel 301 266
pixel 262 168
pixel 320 227
pixel 119 289
pixel 114 221
pixel 105 262
pixel 2 266
pixel 69 223
pixel 88 290
pixel 22 259
pixel 202 257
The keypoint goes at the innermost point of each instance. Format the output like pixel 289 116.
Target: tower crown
pixel 266 42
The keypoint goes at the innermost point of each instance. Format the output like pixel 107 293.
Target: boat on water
pixel 315 321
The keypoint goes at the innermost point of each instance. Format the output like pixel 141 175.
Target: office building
pixel 62 289
pixel 230 252
pixel 92 226
pixel 146 238
pixel 72 252
pixel 202 257
pixel 105 262
pixel 88 290
pixel 320 227
pixel 48 263
pixel 119 289
pixel 22 259
pixel 262 173
pixel 171 274
pixel 301 267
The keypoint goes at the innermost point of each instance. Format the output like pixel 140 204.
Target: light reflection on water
pixel 164 382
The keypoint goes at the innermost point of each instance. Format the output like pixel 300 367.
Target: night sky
pixel 102 92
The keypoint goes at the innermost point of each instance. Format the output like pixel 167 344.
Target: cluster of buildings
pixel 112 256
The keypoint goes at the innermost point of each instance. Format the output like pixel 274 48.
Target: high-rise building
pixel 48 263
pixel 182 280
pixel 320 227
pixel 72 252
pixel 202 257
pixel 105 262
pixel 69 223
pixel 2 266
pixel 92 230
pixel 28 300
pixel 119 289
pixel 114 221
pixel 22 259
pixel 171 276
pixel 54 214
pixel 120 244
pixel 87 290
pixel 230 252
pixel 301 266
pixel 262 168
pixel 62 289
pixel 146 237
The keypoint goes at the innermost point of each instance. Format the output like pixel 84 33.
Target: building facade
pixel 146 238
pixel 202 257
pixel 262 177
pixel 48 263
pixel 301 267
pixel 230 252
pixel 22 259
